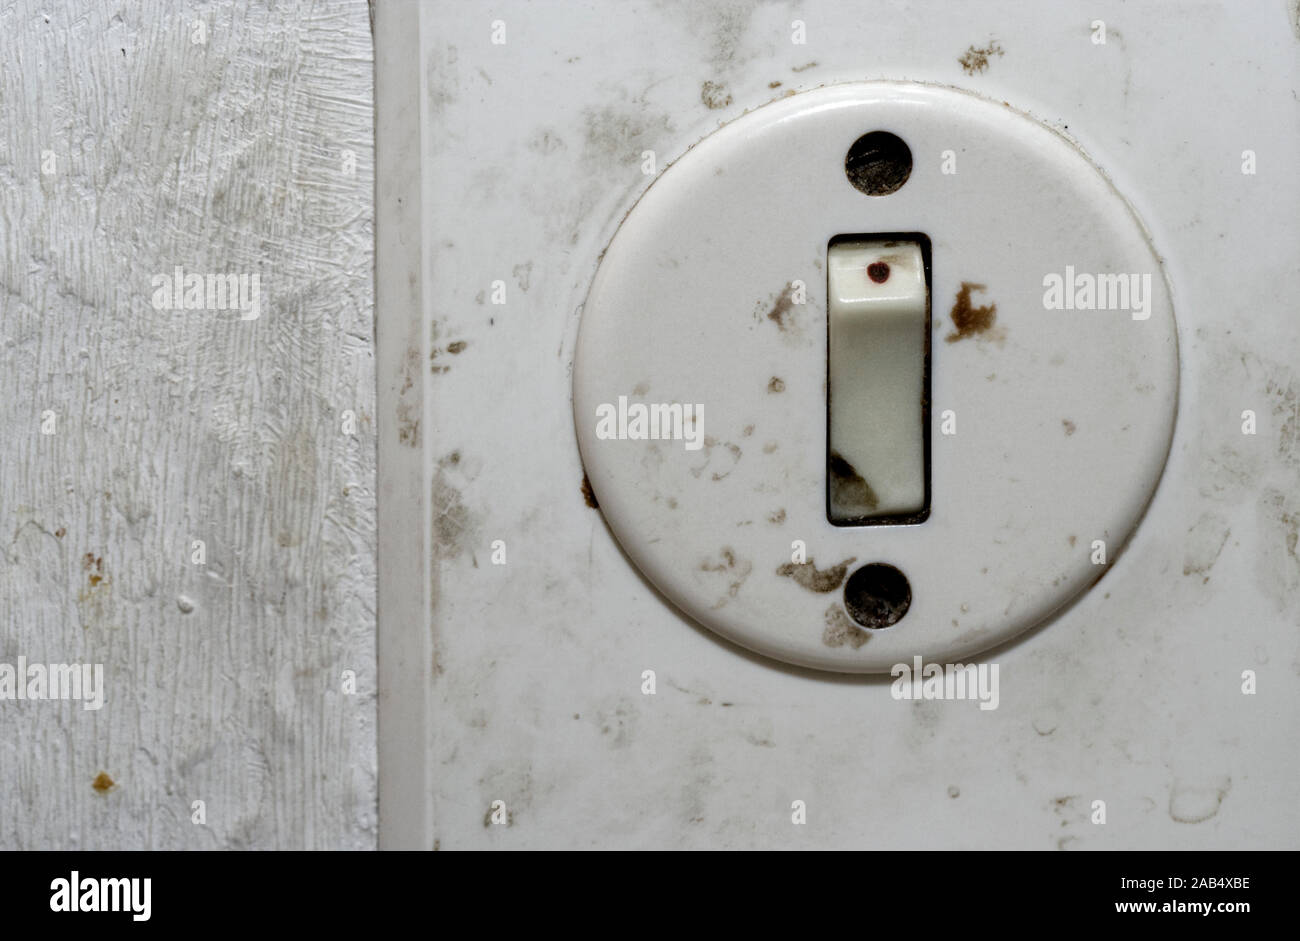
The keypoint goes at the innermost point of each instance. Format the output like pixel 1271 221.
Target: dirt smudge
pixel 840 630
pixel 711 443
pixel 715 95
pixel 1277 534
pixel 849 491
pixel 732 571
pixel 408 408
pixel 975 60
pixel 452 522
pixel 1205 542
pixel 780 311
pixel 807 575
pixel 617 134
pixel 1197 803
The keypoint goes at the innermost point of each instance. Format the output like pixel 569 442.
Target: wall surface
pixel 220 137
pixel 541 728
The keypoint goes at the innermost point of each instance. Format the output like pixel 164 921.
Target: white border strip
pixel 404 644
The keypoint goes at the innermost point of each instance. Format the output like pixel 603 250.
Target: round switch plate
pixel 1051 406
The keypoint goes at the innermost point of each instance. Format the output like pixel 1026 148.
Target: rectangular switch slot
pixel 878 379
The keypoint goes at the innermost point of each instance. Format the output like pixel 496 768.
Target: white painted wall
pixel 226 155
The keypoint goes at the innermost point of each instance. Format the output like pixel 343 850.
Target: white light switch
pixel 877 308
pixel 835 421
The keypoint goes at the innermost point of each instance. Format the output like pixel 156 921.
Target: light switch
pixel 878 312
pixel 866 448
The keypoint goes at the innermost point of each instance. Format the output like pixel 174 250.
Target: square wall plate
pixel 539 691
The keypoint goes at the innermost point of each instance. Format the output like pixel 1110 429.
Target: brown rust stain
pixel 103 783
pixel 807 575
pixel 95 566
pixel 589 495
pixel 968 320
pixel 848 490
pixel 92 599
pixel 776 384
pixel 840 630
pixel 975 60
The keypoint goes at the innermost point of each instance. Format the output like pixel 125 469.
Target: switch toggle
pixel 878 311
